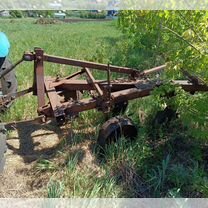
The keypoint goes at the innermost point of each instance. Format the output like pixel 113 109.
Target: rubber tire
pixel 8 83
pixel 3 146
pixel 114 128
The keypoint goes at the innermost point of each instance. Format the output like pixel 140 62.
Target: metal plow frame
pixel 63 93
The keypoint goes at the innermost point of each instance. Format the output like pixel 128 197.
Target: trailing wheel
pixel 112 130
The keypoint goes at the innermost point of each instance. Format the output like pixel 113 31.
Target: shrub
pixel 16 14
pixel 93 15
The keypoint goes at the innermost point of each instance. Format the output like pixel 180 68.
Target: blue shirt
pixel 4 45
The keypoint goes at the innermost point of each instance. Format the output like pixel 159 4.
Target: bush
pixel 16 14
pixel 93 15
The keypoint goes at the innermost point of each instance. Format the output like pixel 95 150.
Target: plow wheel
pixel 119 108
pixel 2 146
pixel 112 130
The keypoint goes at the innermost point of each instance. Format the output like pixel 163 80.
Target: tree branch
pixel 180 37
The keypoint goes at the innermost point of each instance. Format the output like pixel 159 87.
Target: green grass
pixel 85 41
pixel 170 163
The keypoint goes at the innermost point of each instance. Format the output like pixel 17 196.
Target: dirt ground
pixel 25 146
pixel 29 143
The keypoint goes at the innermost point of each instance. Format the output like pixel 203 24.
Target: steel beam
pixel 39 76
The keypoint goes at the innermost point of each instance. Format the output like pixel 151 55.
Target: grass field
pixel 172 165
pixel 86 41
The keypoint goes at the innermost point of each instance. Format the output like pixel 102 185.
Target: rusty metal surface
pixel 55 101
pixel 91 65
pixel 63 93
pixel 189 87
pixel 74 75
pixel 193 78
pixel 115 85
pixel 10 97
pixel 39 76
pixel 91 80
pixel 153 70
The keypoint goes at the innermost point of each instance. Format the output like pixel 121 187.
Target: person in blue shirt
pixel 4 48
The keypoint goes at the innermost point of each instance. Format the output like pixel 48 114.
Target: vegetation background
pixel 169 160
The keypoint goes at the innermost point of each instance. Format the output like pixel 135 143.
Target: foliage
pixel 191 109
pixel 16 14
pixel 172 165
pixel 72 13
pixel 93 15
pixel 45 165
pixel 179 38
pixel 55 189
pixel 44 13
